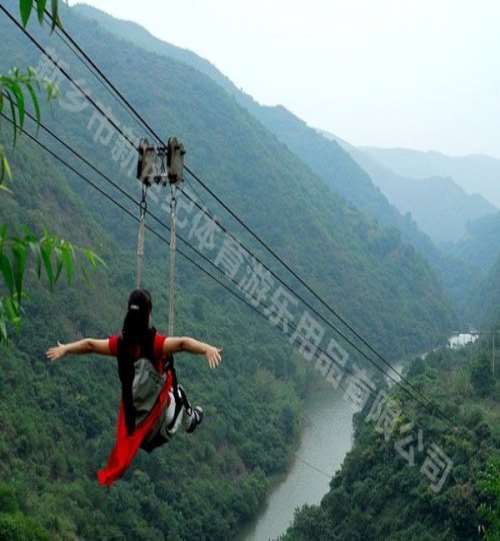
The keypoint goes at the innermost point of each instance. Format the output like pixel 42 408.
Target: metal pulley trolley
pixel 160 165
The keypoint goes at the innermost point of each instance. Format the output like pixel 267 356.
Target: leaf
pixel 67 258
pixel 35 102
pixel 85 274
pixel 53 91
pixel 37 253
pixel 46 251
pixel 4 169
pixel 4 337
pixel 12 311
pixel 40 8
pixel 25 6
pixel 56 21
pixel 14 116
pixel 3 234
pixel 18 93
pixel 7 272
pixel 59 263
pixel 93 258
pixel 20 252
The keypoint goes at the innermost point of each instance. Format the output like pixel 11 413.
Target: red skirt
pixel 127 445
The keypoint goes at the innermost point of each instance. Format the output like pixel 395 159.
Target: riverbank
pixel 327 438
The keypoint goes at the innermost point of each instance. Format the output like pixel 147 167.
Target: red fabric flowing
pixel 127 445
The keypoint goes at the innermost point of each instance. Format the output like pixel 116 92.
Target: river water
pixel 326 439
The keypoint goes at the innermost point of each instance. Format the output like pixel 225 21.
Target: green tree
pixel 46 252
pixel 481 377
pixel 490 485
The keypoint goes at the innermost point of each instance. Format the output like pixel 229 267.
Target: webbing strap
pixel 140 238
pixel 171 311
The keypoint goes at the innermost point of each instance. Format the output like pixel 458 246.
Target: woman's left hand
pixel 213 356
pixel 56 353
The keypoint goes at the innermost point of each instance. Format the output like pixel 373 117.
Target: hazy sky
pixel 414 73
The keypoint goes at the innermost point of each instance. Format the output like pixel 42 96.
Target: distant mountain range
pixel 474 173
pixel 441 207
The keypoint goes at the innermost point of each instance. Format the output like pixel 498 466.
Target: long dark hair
pixel 137 335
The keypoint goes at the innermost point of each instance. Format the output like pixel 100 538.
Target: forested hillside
pixel 377 495
pixel 484 300
pixel 227 145
pixel 331 163
pixel 58 421
pixel 325 158
pixel 480 245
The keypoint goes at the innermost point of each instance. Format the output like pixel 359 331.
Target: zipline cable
pixel 66 74
pixel 125 193
pixel 104 84
pixel 73 44
pixel 140 237
pixel 100 75
pixel 288 332
pixel 435 408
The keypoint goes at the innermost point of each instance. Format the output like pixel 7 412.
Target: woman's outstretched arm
pixel 190 345
pixel 82 347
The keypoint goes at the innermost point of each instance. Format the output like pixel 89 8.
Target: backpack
pixel 146 387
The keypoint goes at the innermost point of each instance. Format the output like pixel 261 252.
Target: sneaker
pixel 195 419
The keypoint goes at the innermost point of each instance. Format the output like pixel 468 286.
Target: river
pixel 326 439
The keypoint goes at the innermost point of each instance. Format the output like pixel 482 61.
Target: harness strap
pixel 140 238
pixel 173 238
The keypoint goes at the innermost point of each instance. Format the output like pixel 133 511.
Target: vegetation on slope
pixel 58 421
pixel 377 495
pixel 325 157
pixel 347 254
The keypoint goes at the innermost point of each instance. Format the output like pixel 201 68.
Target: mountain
pixel 485 302
pixel 481 243
pixel 58 421
pixel 326 158
pixel 476 174
pixel 383 489
pixel 482 246
pixel 342 169
pixel 441 208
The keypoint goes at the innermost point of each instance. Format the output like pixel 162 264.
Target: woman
pixel 153 405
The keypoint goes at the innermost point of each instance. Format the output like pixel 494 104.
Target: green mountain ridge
pixel 58 421
pixel 480 244
pixel 377 495
pixel 326 158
